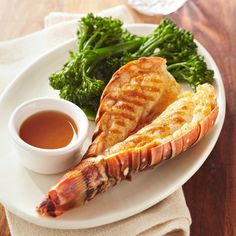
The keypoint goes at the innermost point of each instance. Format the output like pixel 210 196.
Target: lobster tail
pixel 135 95
pixel 180 126
pixel 76 187
pixel 121 166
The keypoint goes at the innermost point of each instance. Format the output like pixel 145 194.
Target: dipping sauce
pixel 48 130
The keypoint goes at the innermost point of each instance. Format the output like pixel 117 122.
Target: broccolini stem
pixel 100 41
pixel 90 40
pixel 101 53
pixel 180 64
pixel 82 38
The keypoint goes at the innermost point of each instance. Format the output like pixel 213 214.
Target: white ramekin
pixel 48 161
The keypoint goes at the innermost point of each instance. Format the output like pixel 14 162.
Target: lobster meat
pixel 182 124
pixel 136 93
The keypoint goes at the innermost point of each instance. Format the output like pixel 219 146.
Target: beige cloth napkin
pixel 170 217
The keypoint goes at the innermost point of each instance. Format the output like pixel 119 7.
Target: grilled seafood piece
pixel 137 93
pixel 180 126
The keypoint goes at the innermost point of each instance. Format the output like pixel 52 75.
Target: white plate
pixel 22 190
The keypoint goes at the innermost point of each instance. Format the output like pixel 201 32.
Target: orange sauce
pixel 48 130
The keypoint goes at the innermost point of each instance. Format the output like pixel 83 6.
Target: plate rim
pixel 184 178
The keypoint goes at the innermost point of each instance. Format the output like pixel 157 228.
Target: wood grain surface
pixel 211 192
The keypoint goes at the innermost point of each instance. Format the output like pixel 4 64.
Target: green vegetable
pixel 193 71
pixel 103 46
pixel 172 42
pixel 101 41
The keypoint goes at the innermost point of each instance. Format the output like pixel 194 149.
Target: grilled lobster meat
pixel 137 93
pixel 180 126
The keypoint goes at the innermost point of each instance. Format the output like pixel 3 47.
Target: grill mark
pixel 133 101
pixel 120 123
pixel 138 95
pixel 110 96
pixel 115 131
pixel 159 129
pixel 150 88
pixel 155 80
pixel 143 143
pixel 179 120
pixel 123 115
pixel 137 79
pixel 137 140
pixel 124 106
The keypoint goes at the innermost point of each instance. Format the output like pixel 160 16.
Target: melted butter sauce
pixel 48 130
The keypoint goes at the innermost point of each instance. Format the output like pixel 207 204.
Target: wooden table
pixel 211 192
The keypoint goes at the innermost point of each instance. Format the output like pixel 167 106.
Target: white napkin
pixel 170 217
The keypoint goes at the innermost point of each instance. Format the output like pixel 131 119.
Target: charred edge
pixel 91 152
pixel 105 96
pixel 47 207
pixel 96 134
pixel 120 123
pixel 99 115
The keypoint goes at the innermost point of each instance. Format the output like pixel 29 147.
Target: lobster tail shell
pixel 180 126
pixel 76 187
pixel 121 166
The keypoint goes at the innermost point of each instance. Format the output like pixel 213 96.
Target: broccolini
pixel 103 46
